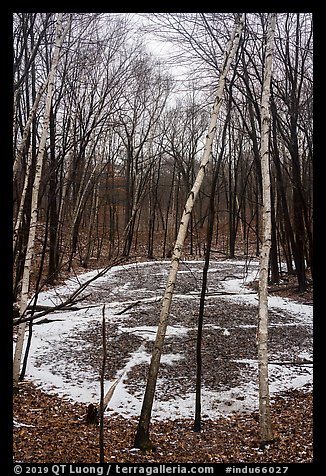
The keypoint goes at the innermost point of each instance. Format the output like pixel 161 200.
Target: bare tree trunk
pixel 209 239
pixel 262 333
pixel 34 304
pixel 34 208
pixel 275 275
pixel 63 201
pixel 102 387
pixel 26 132
pixel 142 436
pixel 19 218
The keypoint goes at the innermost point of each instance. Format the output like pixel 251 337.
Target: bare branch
pixel 71 300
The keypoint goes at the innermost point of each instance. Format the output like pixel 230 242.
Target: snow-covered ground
pixel 142 284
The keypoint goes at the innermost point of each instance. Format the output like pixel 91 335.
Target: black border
pixel 6 412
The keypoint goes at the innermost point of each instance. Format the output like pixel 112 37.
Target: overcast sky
pixel 164 50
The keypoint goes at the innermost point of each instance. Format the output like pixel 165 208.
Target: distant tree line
pixel 123 144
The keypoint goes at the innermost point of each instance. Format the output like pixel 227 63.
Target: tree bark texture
pixel 142 436
pixel 23 145
pixel 262 334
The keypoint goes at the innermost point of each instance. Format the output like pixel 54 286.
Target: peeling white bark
pixel 262 333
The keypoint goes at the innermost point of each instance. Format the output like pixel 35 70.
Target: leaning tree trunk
pixel 142 440
pixel 34 210
pixel 262 332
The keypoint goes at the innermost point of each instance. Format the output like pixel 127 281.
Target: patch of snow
pixel 17 424
pixel 149 332
pixel 302 312
pixel 285 377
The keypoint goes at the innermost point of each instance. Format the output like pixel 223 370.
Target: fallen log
pixel 46 321
pixel 127 308
pixel 71 300
pixel 40 307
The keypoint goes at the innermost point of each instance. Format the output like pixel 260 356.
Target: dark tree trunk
pixel 209 238
pixel 275 275
pixel 52 203
pixel 168 211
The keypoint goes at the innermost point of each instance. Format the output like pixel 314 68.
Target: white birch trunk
pixel 66 179
pixel 33 223
pixel 27 127
pixel 22 199
pixel 262 333
pixel 142 436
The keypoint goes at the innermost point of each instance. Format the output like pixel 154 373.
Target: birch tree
pixel 262 333
pixel 142 440
pixel 59 37
pixel 26 131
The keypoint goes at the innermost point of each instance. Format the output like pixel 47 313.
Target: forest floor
pixel 49 429
pixel 66 357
